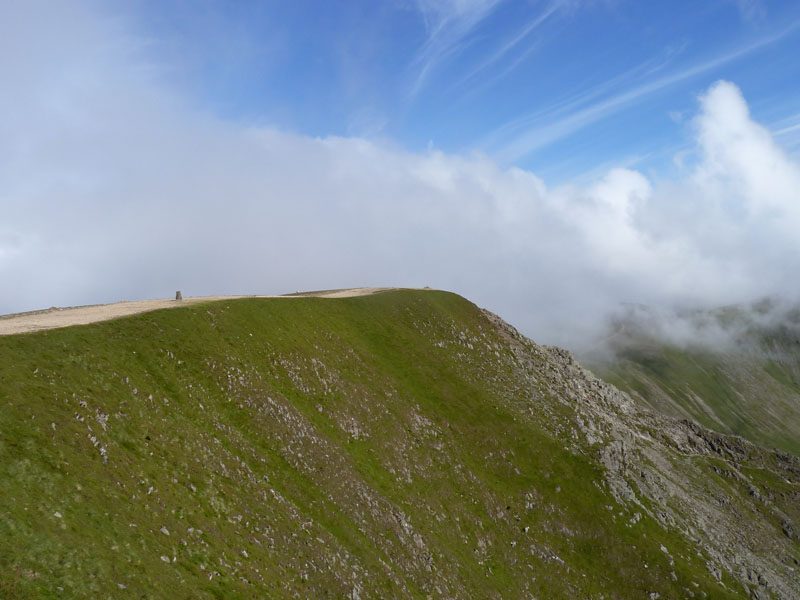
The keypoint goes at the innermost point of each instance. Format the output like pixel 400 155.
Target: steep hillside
pixel 746 383
pixel 401 445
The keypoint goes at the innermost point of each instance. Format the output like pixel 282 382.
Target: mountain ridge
pixel 735 369
pixel 405 444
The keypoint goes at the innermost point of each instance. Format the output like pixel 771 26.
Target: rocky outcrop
pixel 400 445
pixel 661 465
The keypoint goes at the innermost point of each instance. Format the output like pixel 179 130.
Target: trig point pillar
pixel 178 295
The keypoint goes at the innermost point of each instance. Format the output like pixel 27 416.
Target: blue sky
pixel 557 86
pixel 551 161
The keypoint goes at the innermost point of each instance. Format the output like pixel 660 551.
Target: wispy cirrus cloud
pixel 520 137
pixel 788 132
pixel 448 23
pixel 751 10
pixel 515 40
pixel 791 128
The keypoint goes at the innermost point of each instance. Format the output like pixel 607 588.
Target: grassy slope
pixel 305 447
pixel 752 391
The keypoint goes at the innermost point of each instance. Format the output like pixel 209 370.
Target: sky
pixel 550 160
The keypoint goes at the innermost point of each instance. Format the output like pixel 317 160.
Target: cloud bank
pixel 113 187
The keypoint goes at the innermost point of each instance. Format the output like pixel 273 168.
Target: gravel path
pixel 53 318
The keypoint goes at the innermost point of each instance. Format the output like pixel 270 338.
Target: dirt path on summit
pixel 54 318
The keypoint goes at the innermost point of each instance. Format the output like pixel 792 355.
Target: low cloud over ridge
pixel 112 187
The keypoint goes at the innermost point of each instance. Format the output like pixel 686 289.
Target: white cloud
pixel 525 135
pixel 742 162
pixel 111 188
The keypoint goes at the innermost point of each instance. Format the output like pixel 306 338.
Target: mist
pixel 114 186
pixel 748 329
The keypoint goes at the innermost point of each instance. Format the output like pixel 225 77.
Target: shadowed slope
pixel 748 384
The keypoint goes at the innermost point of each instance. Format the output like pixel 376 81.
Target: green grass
pixel 301 447
pixel 741 391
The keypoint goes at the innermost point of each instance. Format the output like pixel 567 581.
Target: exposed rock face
pixel 745 379
pixel 659 464
pixel 401 445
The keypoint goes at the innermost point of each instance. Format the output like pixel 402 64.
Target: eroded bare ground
pixel 53 318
